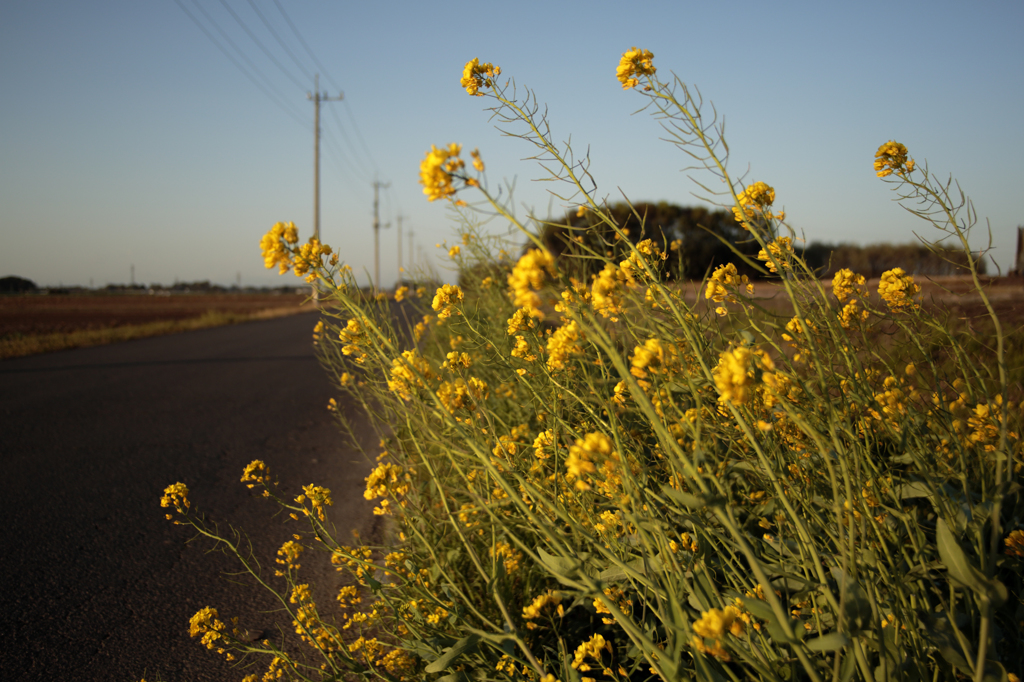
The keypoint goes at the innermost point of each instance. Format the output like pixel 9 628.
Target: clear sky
pixel 127 137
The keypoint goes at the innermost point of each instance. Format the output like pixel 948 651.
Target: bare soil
pixel 31 315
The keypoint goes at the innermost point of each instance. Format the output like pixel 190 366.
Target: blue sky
pixel 127 137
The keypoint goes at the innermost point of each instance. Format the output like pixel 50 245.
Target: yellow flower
pixel 592 648
pixel 563 344
pixel 436 171
pixel 534 609
pixel 476 75
pixel 175 495
pixel 756 198
pixel 477 164
pixel 274 246
pixel 897 289
pixel 318 497
pixel 891 158
pixel 725 276
pixel 605 294
pixel 847 283
pixel 528 275
pixel 779 252
pixel 400 293
pixel 580 462
pixel 733 375
pixel 257 472
pixel 454 251
pixel 445 299
pixel 714 623
pixel 354 338
pixel 207 624
pixel 407 372
pixel 634 63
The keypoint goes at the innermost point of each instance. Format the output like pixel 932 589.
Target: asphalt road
pixel 94 583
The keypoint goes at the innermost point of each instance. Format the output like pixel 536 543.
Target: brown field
pixel 39 323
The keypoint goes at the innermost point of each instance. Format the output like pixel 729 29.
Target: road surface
pixel 94 583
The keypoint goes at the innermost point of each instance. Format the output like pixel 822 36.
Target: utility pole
pixel 400 270
pixel 316 97
pixel 376 231
pixel 412 254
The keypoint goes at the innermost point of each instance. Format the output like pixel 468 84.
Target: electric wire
pixel 277 37
pixel 348 142
pixel 272 96
pixel 262 47
pixel 330 79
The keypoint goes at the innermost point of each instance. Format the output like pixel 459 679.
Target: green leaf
pixel 830 642
pixel 962 571
pixel 465 645
pixel 560 567
pixel 454 677
pixel 856 614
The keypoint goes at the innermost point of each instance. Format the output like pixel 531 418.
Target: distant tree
pixel 696 232
pixel 17 285
pixel 874 259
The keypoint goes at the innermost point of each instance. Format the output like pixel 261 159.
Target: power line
pixel 305 46
pixel 333 82
pixel 348 141
pixel 270 56
pixel 277 37
pixel 276 98
pixel 359 135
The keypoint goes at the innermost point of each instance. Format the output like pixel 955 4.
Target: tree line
pixel 698 239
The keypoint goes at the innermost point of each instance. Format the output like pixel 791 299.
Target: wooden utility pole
pixel 400 269
pixel 316 97
pixel 376 231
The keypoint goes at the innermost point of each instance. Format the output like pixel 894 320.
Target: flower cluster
pixel 274 246
pixel 407 372
pixel 175 495
pixel 445 299
pixel 733 375
pixel 310 256
pixel 726 276
pixel 580 462
pixel 476 75
pixel 462 394
pixel 563 344
pixel 897 289
pixel 847 283
pixel 713 624
pixel 436 171
pixel 354 338
pixel 207 623
pixel 605 292
pixel 527 276
pixel 318 497
pixel 891 158
pixel 634 63
pixel 754 200
pixel 778 253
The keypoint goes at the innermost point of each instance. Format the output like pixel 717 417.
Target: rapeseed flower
pixel 847 283
pixel 891 158
pixel 527 276
pixel 754 200
pixel 634 63
pixel 476 75
pixel 897 289
pixel 447 296
pixel 436 171
pixel 733 375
